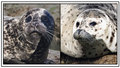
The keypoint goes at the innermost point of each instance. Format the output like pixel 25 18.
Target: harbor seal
pixel 93 33
pixel 27 40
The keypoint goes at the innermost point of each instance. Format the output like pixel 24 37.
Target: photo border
pixel 61 65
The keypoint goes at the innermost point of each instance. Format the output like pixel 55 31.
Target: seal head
pixel 39 29
pixel 91 28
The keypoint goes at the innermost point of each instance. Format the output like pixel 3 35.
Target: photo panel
pixel 31 33
pixel 89 33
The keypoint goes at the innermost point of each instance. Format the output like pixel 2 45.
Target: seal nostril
pixel 77 34
pixel 35 23
pixel 78 31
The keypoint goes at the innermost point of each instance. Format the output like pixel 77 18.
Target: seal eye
pixel 77 24
pixel 92 23
pixel 28 19
pixel 44 19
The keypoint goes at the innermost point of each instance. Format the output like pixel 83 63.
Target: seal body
pixel 27 40
pixel 94 31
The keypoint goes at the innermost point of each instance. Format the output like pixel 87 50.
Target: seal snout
pixel 76 35
pixel 38 27
pixel 81 34
pixel 35 24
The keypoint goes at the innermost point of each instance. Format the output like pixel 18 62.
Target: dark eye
pixel 77 24
pixel 44 19
pixel 28 19
pixel 92 23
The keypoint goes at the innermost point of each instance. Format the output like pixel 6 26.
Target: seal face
pixel 28 38
pixel 95 29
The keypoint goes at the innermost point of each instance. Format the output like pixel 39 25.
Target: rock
pixel 106 59
pixel 54 55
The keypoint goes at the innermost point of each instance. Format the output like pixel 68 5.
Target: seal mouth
pixel 35 32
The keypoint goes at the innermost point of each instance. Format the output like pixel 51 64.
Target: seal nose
pixel 76 35
pixel 35 23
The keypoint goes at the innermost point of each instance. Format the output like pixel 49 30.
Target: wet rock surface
pixel 107 59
